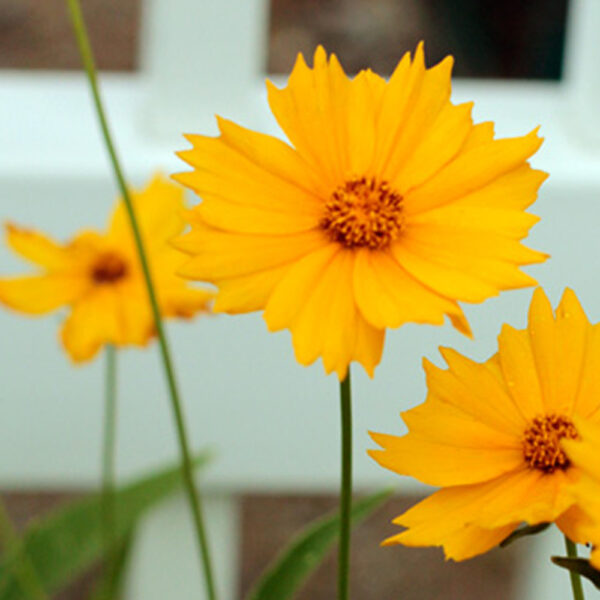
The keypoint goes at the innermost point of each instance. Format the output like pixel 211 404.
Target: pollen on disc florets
pixel 364 213
pixel 109 267
pixel 541 442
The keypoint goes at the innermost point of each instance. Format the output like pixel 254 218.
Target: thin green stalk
pixel 345 489
pixel 108 457
pixel 186 462
pixel 23 570
pixel 575 577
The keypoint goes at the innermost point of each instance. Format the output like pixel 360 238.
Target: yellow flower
pixel 489 434
pixel 584 454
pixel 388 207
pixel 100 278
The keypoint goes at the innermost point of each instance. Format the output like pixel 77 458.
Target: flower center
pixel 541 442
pixel 108 268
pixel 363 213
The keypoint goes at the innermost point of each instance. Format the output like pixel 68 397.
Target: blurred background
pixel 510 39
pixel 489 39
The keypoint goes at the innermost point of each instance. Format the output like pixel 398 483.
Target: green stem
pixel 108 458
pixel 345 489
pixel 186 462
pixel 575 577
pixel 23 570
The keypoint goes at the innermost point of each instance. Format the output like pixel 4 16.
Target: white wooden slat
pixel 200 57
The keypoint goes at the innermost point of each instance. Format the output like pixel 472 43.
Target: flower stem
pixel 345 489
pixel 108 457
pixel 23 570
pixel 575 577
pixel 186 462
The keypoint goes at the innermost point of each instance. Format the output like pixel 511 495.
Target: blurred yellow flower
pixel 489 434
pixel 100 278
pixel 388 207
pixel 584 454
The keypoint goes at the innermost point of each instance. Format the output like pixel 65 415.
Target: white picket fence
pixel 272 423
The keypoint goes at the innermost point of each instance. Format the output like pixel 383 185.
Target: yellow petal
pixel 296 288
pixel 444 423
pixel 326 325
pixel 92 323
pixel 584 453
pixel 442 517
pixel 311 111
pixel 587 399
pixel 470 541
pixel 330 119
pixel 271 154
pixel 315 301
pixel 222 173
pixel 159 208
pixel 36 247
pixel 389 297
pixel 220 255
pixel 472 170
pixel 360 125
pixel 418 95
pixel 482 133
pixel 578 525
pixel 519 371
pixel 183 301
pixel 120 315
pixel 446 281
pixel 463 543
pixel 369 345
pixel 377 86
pixel 133 320
pixel 470 220
pixel 527 495
pixel 572 333
pixel 443 464
pixel 439 143
pixel 516 190
pixel 39 294
pixel 475 389
pixel 403 85
pixel 558 347
pixel 469 267
pixel 239 218
pixel 433 96
pixel 536 497
pixel 248 293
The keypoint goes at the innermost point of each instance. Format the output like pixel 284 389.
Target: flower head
pixel 388 207
pixel 491 435
pixel 100 278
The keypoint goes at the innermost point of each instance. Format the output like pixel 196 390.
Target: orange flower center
pixel 108 268
pixel 541 442
pixel 363 213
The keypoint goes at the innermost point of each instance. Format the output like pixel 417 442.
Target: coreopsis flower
pixel 98 276
pixel 583 454
pixel 489 434
pixel 388 206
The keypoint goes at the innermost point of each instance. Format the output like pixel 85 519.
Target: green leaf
pixel 64 544
pixel 290 569
pixel 578 565
pixel 522 532
pixel 110 586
